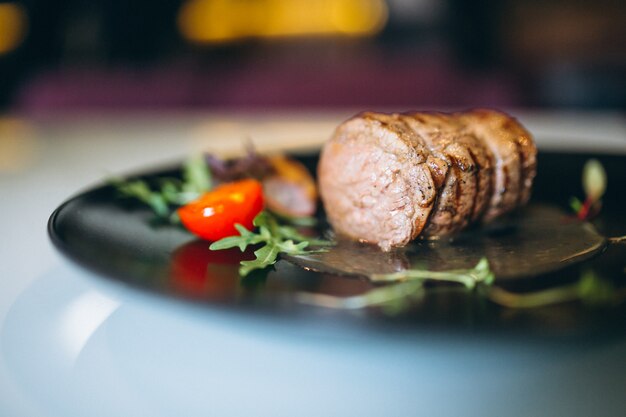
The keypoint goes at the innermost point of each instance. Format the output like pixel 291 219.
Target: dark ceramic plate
pixel 117 239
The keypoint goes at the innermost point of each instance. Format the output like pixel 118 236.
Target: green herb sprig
pixel 480 274
pixel 590 289
pixel 406 286
pixel 170 193
pixel 274 237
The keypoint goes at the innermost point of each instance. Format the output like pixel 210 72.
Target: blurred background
pixel 119 55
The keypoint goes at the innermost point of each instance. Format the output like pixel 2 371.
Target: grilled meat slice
pixel 507 179
pixel 526 146
pixel 374 181
pixel 455 199
pixel 469 176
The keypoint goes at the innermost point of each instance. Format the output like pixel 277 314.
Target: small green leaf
pixel 242 230
pixel 276 238
pixel 171 192
pixel 230 242
pixel 593 290
pixel 140 190
pixel 265 233
pixel 174 218
pixel 246 238
pixel 267 254
pixel 288 232
pixel 482 272
pixel 196 175
pixel 489 279
pixel 159 205
pixel 575 204
pixel 265 257
pixel 291 248
pixel 261 219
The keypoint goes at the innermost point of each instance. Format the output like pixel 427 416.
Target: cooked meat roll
pixel 387 179
pixel 375 181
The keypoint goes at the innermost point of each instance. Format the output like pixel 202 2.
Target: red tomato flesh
pixel 213 216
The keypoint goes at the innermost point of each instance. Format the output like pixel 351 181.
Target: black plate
pixel 117 239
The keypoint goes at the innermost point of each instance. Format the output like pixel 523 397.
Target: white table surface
pixel 72 344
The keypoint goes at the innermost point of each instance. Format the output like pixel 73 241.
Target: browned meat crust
pixel 507 178
pixel 472 172
pixel 386 179
pixel 455 201
pixel 526 147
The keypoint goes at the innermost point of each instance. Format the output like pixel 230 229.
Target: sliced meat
pixel 482 157
pixel 375 181
pixel 484 174
pixel 466 191
pixel 487 126
pixel 386 179
pixel 528 153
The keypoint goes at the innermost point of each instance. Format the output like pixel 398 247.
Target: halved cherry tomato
pixel 213 216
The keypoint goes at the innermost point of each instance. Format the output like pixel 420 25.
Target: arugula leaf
pixel 271 222
pixel 406 286
pixel 575 204
pixel 245 239
pixel 170 193
pixel 481 273
pixel 289 232
pixel 265 257
pixel 292 248
pixel 196 175
pixel 305 221
pixel 141 191
pixel 275 238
